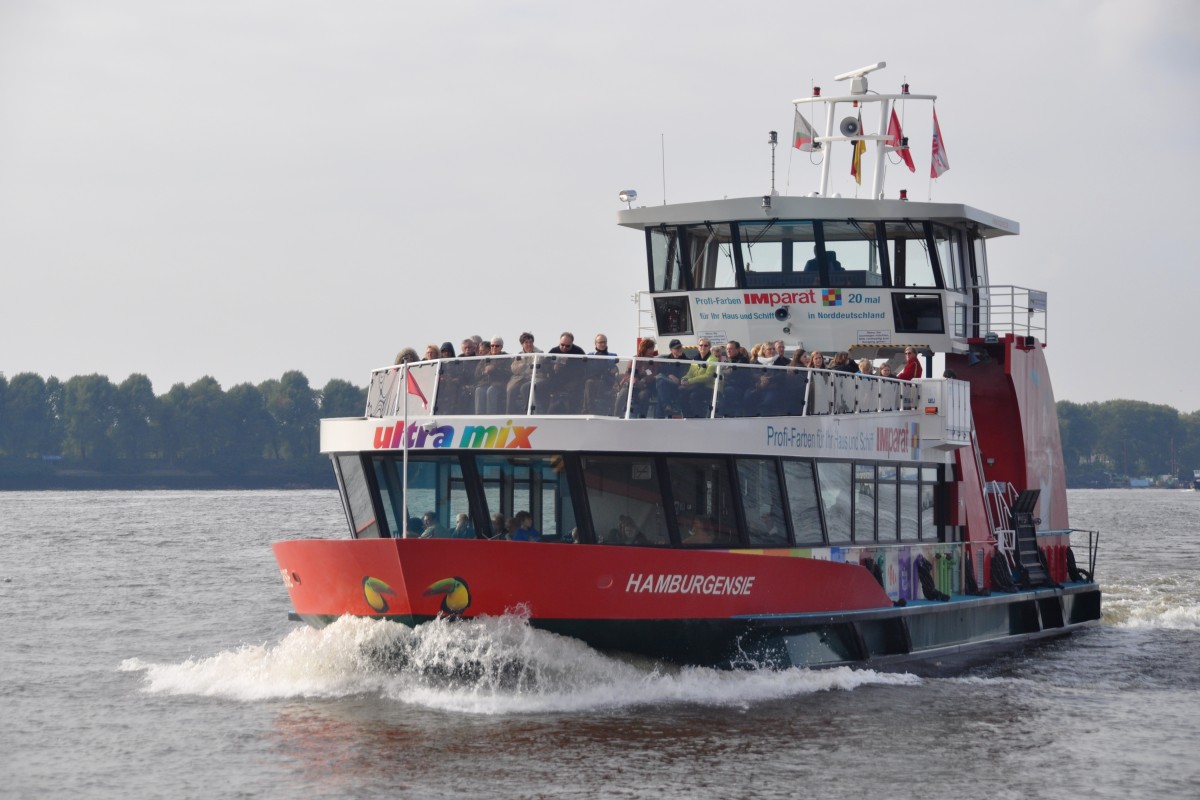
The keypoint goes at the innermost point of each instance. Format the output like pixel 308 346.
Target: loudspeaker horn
pixel 850 127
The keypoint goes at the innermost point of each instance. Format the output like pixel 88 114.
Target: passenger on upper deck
pixel 566 346
pixel 885 370
pixel 765 397
pixel 559 391
pixel 492 380
pixel 696 386
pixel 431 352
pixel 522 371
pixel 912 366
pixel 737 353
pixel 866 367
pixel 669 378
pixel 406 356
pixel 842 363
pixel 781 358
pixel 598 385
pixel 640 377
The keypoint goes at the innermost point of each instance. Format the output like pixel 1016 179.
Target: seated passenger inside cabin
pixel 499 526
pixel 626 532
pixel 462 527
pixel 524 531
pixel 703 531
pixel 432 528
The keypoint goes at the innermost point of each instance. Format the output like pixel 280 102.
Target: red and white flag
pixel 895 139
pixel 803 134
pixel 940 163
pixel 414 388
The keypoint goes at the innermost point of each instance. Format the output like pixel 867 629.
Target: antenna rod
pixel 662 138
pixel 773 141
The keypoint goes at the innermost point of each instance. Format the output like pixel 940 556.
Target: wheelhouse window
pixel 625 498
pixel 703 501
pixel 949 242
pixel 771 253
pixel 852 254
pixel 710 255
pixel 666 266
pixel 911 257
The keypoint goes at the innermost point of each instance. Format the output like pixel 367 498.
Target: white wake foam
pixel 1169 601
pixel 487 666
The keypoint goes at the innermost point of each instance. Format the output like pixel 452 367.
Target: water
pixel 146 653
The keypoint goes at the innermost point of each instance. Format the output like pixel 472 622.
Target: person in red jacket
pixel 912 367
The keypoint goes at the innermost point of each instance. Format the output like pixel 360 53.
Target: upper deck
pixel 609 403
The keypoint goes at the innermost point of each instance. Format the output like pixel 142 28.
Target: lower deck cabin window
pixel 703 501
pixel 537 484
pixel 625 499
pixel 802 501
pixel 357 495
pixel 836 498
pixel 762 501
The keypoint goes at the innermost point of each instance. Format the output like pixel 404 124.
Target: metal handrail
pixel 558 384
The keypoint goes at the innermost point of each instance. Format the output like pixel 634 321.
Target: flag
pixel 896 138
pixel 413 388
pixel 803 134
pixel 860 147
pixel 940 163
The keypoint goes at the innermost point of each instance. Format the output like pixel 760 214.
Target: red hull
pixel 328 578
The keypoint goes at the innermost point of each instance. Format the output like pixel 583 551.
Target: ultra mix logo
pixel 831 297
pixel 488 437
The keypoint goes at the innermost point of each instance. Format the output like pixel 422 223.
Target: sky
pixel 238 189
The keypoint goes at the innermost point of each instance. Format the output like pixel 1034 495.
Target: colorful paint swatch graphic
pixel 831 297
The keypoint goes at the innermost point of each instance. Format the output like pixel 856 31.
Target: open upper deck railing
pixel 1011 309
pixel 627 388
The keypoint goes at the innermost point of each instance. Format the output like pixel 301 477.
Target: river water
pixel 146 653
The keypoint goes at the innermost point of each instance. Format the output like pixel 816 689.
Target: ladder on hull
pixel 1025 526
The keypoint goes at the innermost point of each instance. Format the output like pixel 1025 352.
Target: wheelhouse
pixel 824 273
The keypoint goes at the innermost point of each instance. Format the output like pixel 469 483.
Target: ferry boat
pixel 731 514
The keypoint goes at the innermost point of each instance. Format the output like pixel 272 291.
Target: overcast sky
pixel 237 189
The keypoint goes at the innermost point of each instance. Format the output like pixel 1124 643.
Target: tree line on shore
pixel 1106 443
pixel 269 431
pixel 268 434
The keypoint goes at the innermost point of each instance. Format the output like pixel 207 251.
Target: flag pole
pixel 404 457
